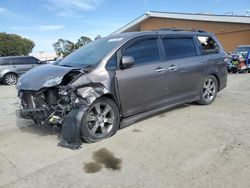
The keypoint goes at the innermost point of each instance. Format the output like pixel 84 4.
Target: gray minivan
pixel 117 80
pixel 11 67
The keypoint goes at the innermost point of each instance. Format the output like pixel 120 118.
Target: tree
pixel 82 41
pixel 98 37
pixel 12 44
pixel 64 47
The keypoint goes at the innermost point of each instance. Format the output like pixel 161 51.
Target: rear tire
pixel 208 91
pixel 100 121
pixel 10 79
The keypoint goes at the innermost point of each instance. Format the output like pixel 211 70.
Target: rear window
pixel 207 44
pixel 179 48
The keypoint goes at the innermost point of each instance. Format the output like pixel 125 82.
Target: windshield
pixel 242 51
pixel 90 54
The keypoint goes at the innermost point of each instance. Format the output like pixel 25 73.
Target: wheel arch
pixel 108 95
pixel 116 101
pixel 112 97
pixel 217 78
pixel 11 72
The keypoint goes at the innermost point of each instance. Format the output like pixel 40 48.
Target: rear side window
pixel 207 44
pixel 144 51
pixel 18 61
pixel 179 48
pixel 23 61
pixel 4 62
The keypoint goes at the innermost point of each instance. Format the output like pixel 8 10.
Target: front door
pixel 141 87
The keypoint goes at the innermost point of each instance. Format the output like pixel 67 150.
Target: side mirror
pixel 127 61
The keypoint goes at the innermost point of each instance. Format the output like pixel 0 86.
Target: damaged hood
pixel 42 76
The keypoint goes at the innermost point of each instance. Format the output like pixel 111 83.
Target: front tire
pixel 101 120
pixel 208 91
pixel 10 79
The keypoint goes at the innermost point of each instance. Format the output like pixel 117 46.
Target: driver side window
pixel 144 51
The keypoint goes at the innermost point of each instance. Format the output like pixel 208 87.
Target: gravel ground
pixel 189 146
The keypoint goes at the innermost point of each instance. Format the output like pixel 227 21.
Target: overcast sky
pixel 45 21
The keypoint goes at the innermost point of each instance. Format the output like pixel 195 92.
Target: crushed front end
pixel 57 107
pixel 46 95
pixel 47 106
pixel 58 97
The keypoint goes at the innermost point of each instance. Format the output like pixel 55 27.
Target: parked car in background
pixel 50 61
pixel 11 67
pixel 239 60
pixel 117 80
pixel 242 49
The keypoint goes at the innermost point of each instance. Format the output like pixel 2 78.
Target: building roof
pixel 10 57
pixel 134 25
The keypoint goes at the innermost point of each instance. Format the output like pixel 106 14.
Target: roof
pixel 176 31
pixel 245 46
pixel 184 16
pixel 10 57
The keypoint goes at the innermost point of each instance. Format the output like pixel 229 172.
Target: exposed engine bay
pixel 60 99
pixel 49 106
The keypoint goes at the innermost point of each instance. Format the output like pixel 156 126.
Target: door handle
pixel 172 68
pixel 160 70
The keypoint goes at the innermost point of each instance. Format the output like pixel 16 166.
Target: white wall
pixel 44 55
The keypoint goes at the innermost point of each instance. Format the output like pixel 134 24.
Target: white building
pixel 43 56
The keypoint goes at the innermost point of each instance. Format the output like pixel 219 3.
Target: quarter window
pixel 207 44
pixel 144 51
pixel 179 48
pixel 32 60
pixel 112 63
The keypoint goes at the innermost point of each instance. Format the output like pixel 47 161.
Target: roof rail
pixel 180 29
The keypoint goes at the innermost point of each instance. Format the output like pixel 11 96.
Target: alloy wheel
pixel 209 90
pixel 100 119
pixel 10 79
